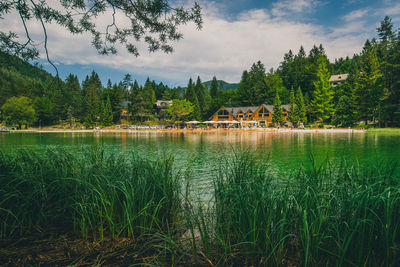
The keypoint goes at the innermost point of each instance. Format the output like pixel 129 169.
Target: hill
pixel 20 78
pixel 225 85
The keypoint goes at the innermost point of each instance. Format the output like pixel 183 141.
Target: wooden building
pixel 259 115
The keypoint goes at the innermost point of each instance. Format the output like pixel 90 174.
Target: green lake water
pixel 203 153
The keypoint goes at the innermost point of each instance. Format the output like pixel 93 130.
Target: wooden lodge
pixel 256 116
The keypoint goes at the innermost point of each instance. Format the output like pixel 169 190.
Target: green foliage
pixel 325 215
pixel 372 89
pixel 277 116
pixel 293 115
pixel 344 114
pixel 368 89
pixel 274 84
pixel 96 193
pixel 18 111
pixel 199 90
pixel 191 96
pixel 214 87
pixel 156 22
pixel 93 87
pixel 300 108
pixel 321 105
pixel 252 86
pixel 180 109
pixel 44 110
pixel 107 116
pixel 142 100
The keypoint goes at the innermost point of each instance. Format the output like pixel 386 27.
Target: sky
pixel 235 34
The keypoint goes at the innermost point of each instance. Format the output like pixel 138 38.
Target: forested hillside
pixel 370 95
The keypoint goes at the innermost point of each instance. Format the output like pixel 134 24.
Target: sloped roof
pixel 235 110
pixel 338 78
pixel 161 103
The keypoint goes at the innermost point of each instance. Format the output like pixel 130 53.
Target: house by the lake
pixel 255 116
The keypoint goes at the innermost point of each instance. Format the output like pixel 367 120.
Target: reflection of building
pixel 125 115
pixel 335 80
pixel 260 115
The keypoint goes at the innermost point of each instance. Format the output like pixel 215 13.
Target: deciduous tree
pixel 18 111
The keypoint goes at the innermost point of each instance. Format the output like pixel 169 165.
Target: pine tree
pixel 214 87
pixel 107 116
pixel 149 97
pixel 277 116
pixel 191 96
pixel 344 114
pixel 93 99
pixel 321 104
pixel 300 108
pixel 368 90
pixel 199 89
pixel 76 100
pixel 133 98
pixel 293 115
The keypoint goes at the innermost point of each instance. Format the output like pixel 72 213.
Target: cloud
pixel 224 47
pixel 356 14
pixel 289 7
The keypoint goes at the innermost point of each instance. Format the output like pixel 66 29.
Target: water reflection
pixel 205 152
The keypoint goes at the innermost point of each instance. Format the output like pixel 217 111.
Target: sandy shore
pixel 266 130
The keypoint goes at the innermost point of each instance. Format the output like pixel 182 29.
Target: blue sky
pixel 235 34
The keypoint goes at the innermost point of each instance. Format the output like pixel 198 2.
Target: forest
pixel 371 95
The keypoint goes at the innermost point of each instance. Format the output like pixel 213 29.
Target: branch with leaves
pixel 154 22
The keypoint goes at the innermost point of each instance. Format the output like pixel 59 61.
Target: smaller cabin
pixel 338 79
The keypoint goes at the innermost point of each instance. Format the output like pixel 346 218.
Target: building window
pixel 263 113
pixel 223 112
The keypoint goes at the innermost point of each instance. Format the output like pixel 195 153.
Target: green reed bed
pixel 327 215
pixel 92 192
pixel 333 214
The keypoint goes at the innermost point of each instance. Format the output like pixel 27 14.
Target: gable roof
pixel 234 111
pixel 339 78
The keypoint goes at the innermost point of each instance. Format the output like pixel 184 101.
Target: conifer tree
pixel 293 115
pixel 107 115
pixel 76 100
pixel 277 116
pixel 133 98
pixel 199 89
pixel 191 96
pixel 321 104
pixel 368 90
pixel 149 96
pixel 214 87
pixel 93 99
pixel 344 114
pixel 300 108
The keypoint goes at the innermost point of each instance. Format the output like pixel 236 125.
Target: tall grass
pixel 329 214
pixel 94 192
pixel 326 215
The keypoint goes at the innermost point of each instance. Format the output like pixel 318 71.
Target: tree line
pixel 370 95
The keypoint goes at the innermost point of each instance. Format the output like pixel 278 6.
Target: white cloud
pixel 290 7
pixel 356 14
pixel 223 47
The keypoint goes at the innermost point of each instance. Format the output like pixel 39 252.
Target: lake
pixel 203 153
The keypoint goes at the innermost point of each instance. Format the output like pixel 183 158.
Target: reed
pixel 321 215
pixel 92 192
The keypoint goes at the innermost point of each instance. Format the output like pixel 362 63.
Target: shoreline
pixel 262 130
